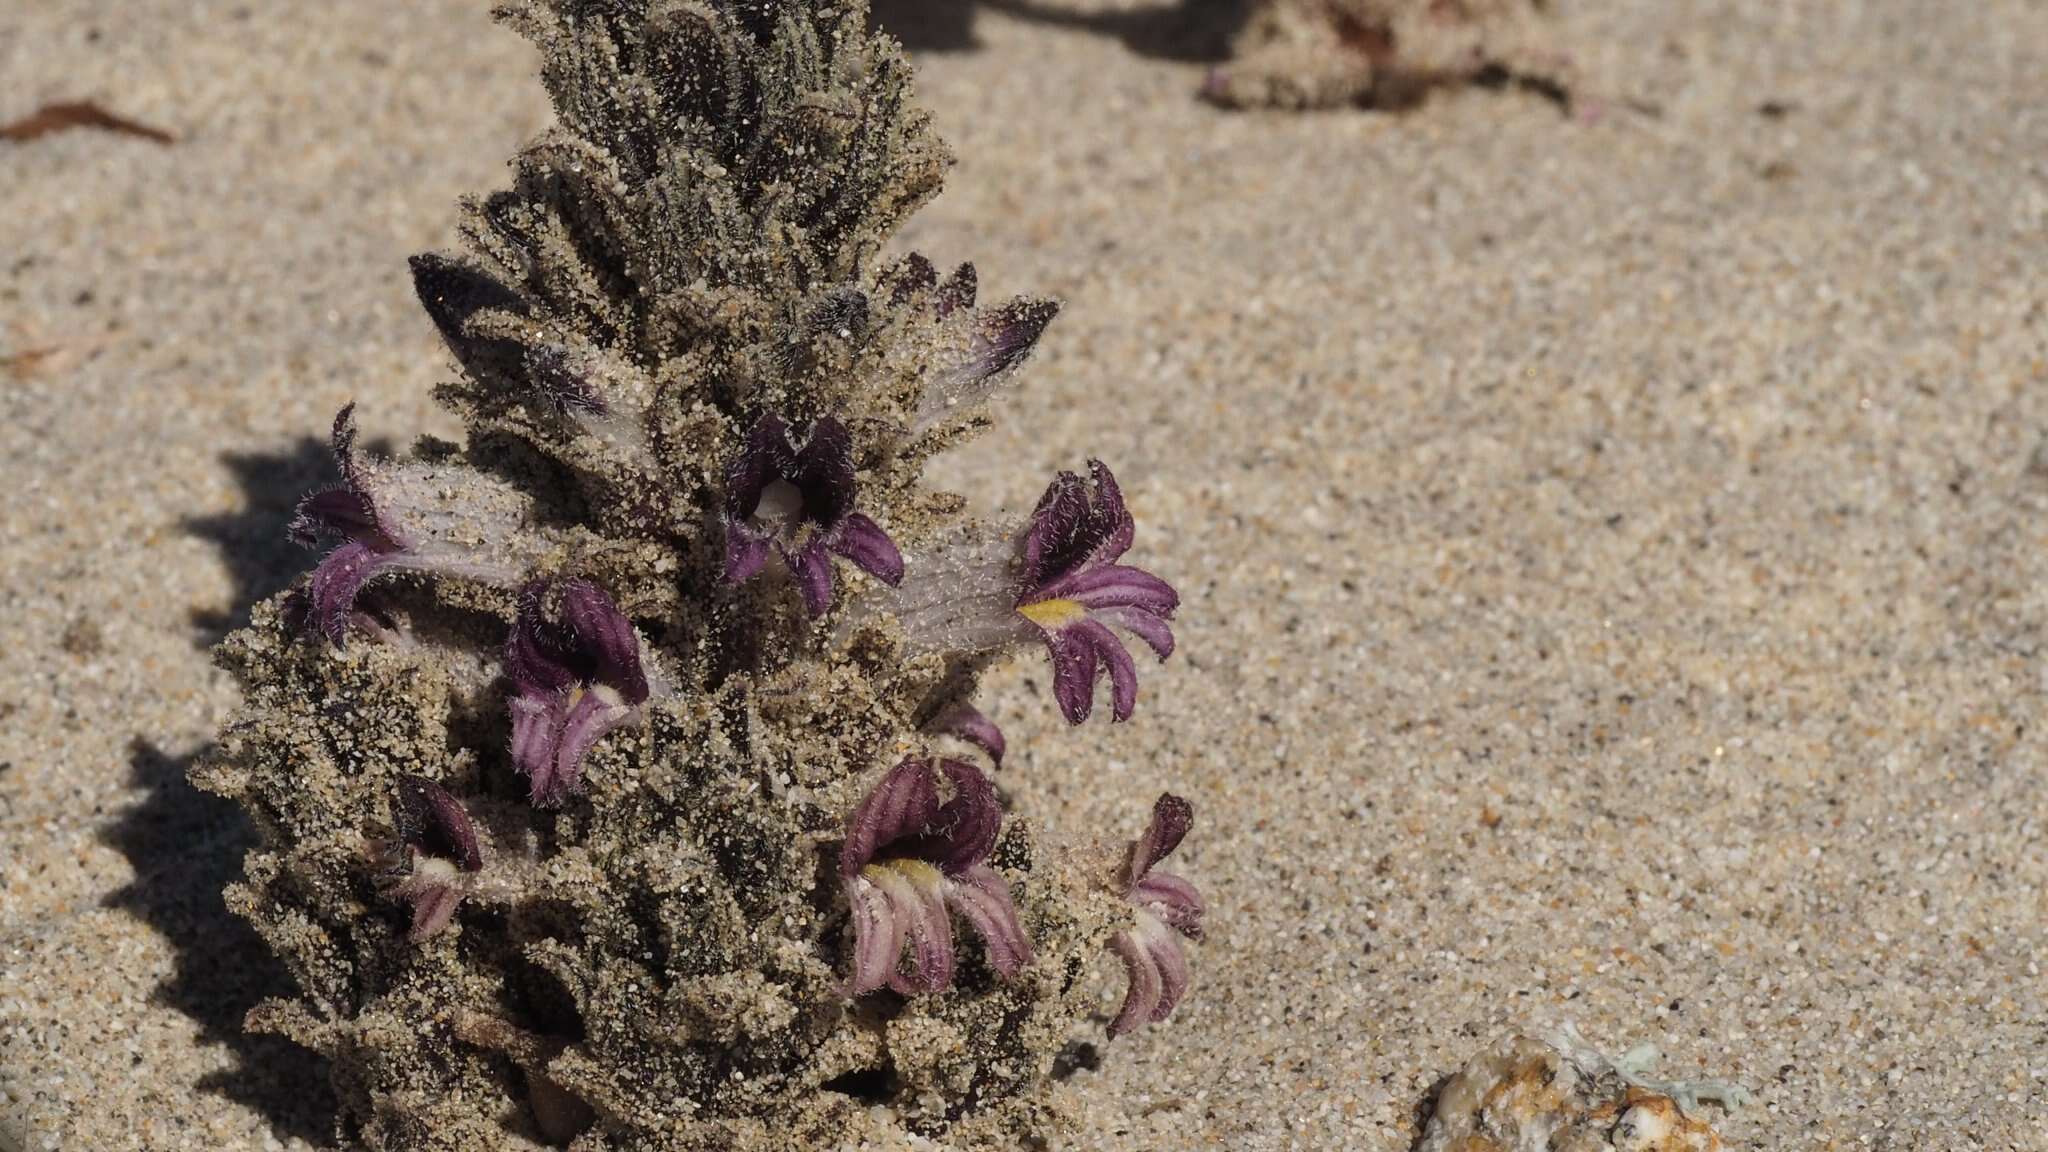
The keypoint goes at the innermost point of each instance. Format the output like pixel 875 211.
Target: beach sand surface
pixel 1614 542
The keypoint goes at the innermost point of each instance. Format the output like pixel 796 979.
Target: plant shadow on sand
pixel 185 846
pixel 1191 31
pixel 261 560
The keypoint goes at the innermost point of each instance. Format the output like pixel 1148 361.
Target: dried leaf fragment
pixel 51 119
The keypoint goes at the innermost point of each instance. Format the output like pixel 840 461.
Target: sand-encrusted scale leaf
pixel 698 71
pixel 588 272
pixel 456 293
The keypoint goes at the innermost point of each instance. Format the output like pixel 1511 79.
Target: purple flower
pixel 407 517
pixel 371 542
pixel 1166 905
pixel 441 849
pixel 1056 580
pixel 800 501
pixel 1073 590
pixel 572 682
pixel 978 347
pixel 909 861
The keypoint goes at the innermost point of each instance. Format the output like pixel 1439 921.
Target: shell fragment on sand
pixel 1556 1093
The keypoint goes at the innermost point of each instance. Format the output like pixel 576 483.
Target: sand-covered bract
pixel 583 821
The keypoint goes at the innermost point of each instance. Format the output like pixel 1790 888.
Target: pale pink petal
pixel 536 732
pixel 582 728
pixel 1173 900
pixel 1172 963
pixel 432 909
pixel 1141 998
pixel 983 897
pixel 877 937
pixel 930 932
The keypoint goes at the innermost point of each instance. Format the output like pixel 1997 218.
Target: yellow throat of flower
pixel 605 693
pixel 918 872
pixel 1053 615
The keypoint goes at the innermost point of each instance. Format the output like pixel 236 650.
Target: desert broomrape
pixel 650 672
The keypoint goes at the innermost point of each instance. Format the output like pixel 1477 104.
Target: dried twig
pixel 24 364
pixel 51 119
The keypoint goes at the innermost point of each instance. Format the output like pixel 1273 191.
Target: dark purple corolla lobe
pixel 957 292
pixel 572 681
pixel 346 509
pixel 963 721
pixel 1005 336
pixel 800 503
pixel 365 618
pixel 912 275
pixel 402 517
pixel 431 820
pixel 1073 590
pixel 909 862
pixel 1166 905
pixel 370 542
pixel 453 292
pixel 988 343
pixel 441 849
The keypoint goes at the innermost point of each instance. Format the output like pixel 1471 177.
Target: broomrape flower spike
pixel 909 861
pixel 442 853
pixel 800 502
pixel 680 357
pixel 1073 589
pixel 571 682
pixel 1166 905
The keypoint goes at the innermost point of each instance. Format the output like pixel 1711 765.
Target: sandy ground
pixel 1613 544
